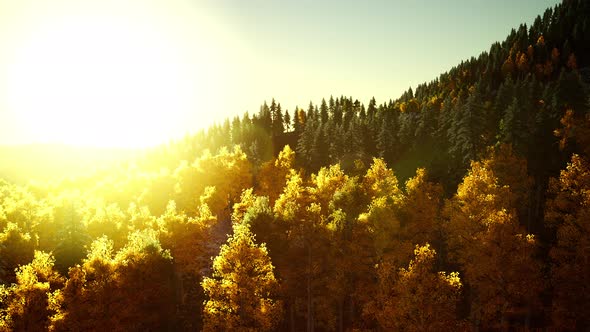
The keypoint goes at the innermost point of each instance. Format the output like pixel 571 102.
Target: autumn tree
pixel 420 211
pixel 131 290
pixel 101 219
pixel 242 290
pixel 299 217
pixel 16 248
pixel 417 298
pixel 228 172
pixel 272 175
pixel 567 214
pixel 27 304
pixel 191 243
pixel 495 254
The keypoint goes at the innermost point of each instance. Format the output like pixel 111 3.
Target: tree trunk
pixel 340 316
pixel 292 315
pixel 309 296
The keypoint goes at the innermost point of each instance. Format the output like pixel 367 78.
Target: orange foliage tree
pixel 417 298
pixel 497 257
pixel 568 214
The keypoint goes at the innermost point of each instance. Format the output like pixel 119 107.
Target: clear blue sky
pixel 137 72
pixel 312 49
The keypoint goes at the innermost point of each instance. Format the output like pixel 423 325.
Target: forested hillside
pixel 516 93
pixel 461 205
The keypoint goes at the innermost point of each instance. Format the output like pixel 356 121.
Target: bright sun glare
pixel 101 80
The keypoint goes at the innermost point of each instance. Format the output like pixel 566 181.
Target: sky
pixel 141 72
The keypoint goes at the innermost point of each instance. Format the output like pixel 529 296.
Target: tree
pixel 272 175
pixel 307 148
pixel 324 112
pixel 227 172
pixel 277 119
pixel 16 248
pixel 417 298
pixel 386 138
pixel 512 127
pixel 192 243
pixel 511 170
pixel 287 121
pixel 496 255
pixel 468 132
pixel 131 290
pixel 568 214
pixel 299 121
pixel 26 305
pixel 381 182
pixel 242 291
pixel 421 211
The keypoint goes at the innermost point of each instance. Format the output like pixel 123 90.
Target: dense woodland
pixel 464 204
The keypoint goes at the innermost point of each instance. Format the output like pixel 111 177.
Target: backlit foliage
pixel 242 290
pixel 100 291
pixel 498 259
pixel 27 304
pixel 348 250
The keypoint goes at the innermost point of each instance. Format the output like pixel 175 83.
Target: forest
pixel 462 205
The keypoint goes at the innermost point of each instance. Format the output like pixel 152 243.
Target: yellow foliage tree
pixel 131 290
pixel 16 248
pixel 192 244
pixel 421 211
pixel 497 257
pixel 242 291
pixel 272 175
pixel 325 184
pixel 26 305
pixel 381 182
pixel 228 172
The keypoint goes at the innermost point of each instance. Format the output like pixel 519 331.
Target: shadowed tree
pixel 416 298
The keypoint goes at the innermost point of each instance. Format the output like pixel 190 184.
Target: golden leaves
pixel 242 290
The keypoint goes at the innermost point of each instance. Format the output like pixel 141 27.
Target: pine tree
pixel 277 119
pixel 306 145
pixel 287 121
pixel 467 131
pixel 386 139
pixel 324 112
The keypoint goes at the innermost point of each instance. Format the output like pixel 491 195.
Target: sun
pixel 101 80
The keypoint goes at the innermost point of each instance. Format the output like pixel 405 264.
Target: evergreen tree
pixel 467 140
pixel 324 112
pixel 287 121
pixel 306 145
